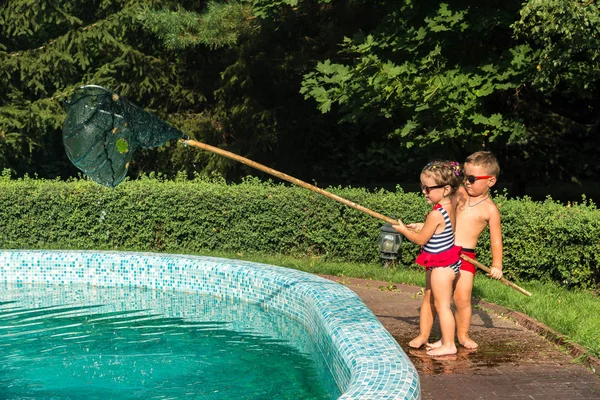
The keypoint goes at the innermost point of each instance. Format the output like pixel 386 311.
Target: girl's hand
pixel 400 227
pixel 416 227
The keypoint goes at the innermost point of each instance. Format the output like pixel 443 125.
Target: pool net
pixel 103 130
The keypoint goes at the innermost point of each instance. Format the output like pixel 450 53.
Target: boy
pixel 474 211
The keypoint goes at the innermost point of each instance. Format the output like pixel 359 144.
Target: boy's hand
pixel 496 273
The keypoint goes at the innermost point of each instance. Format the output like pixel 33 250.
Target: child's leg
pixel 463 289
pixel 442 280
pixel 426 316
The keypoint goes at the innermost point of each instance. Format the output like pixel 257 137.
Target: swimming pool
pixel 365 361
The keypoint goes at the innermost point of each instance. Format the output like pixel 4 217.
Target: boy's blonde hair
pixel 485 159
pixel 445 173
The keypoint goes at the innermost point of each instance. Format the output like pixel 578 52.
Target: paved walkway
pixel 512 362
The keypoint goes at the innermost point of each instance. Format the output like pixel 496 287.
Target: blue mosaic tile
pixel 363 357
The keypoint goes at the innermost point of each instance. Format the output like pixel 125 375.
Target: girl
pixel 439 255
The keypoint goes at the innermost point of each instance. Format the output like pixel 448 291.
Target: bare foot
pixel 434 345
pixel 417 342
pixel 468 343
pixel 442 350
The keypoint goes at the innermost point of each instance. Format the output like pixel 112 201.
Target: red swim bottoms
pixel 467 266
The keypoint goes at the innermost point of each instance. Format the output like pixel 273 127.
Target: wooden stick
pixel 486 269
pixel 288 178
pixel 325 193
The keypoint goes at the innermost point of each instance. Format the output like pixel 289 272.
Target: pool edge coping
pixel 379 371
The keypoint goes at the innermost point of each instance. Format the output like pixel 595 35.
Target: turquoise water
pixel 76 342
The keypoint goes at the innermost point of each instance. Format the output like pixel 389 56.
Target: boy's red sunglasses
pixel 472 178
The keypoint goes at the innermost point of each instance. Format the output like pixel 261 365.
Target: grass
pixel 573 313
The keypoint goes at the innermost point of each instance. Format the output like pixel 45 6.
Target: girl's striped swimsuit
pixel 440 250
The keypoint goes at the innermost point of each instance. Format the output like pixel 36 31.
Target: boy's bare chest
pixel 471 214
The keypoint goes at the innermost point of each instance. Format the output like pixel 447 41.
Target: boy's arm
pixel 459 196
pixel 496 244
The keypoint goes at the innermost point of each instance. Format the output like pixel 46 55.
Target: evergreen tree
pixel 50 47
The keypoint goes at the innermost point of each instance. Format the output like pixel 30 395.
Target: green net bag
pixel 102 132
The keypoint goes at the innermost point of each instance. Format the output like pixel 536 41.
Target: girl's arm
pixel 433 220
pixel 415 227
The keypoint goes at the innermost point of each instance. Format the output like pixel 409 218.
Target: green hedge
pixel 542 240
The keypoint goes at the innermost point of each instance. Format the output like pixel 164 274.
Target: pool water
pixel 81 341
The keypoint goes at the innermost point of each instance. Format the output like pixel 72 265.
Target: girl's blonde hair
pixel 445 173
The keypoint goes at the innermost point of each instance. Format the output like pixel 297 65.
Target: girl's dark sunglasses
pixel 428 189
pixel 472 178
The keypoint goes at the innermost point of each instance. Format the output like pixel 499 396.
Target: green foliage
pixel 516 78
pixel 564 36
pixel 424 74
pixel 50 47
pixel 273 8
pixel 255 109
pixel 267 8
pixel 167 216
pixel 219 26
pixel 550 241
pixel 399 82
pixel 542 241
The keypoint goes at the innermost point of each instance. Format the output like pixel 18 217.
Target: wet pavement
pixel 512 361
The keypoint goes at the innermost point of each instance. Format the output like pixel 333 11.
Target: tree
pixel 427 73
pixel 558 101
pixel 519 79
pixel 394 82
pixel 257 108
pixel 226 73
pixel 48 48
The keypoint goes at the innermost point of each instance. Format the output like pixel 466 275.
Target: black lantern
pixel 389 245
